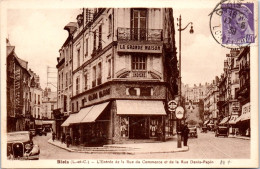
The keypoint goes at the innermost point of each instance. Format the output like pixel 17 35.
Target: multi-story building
pixel 210 103
pixel 119 77
pixel 64 67
pixel 228 86
pixel 35 99
pixel 49 103
pixel 18 90
pixel 243 94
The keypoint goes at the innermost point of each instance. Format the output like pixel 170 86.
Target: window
pixel 94 41
pixel 100 37
pixel 86 80
pixel 94 76
pixel 82 102
pixel 35 98
pixel 77 106
pixel 62 81
pixel 139 62
pixel 109 68
pixel 65 103
pixel 86 48
pixel 72 107
pixel 138 24
pixel 78 54
pixel 66 80
pixel 69 105
pixel 77 85
pixel 109 25
pixel 99 77
pixel 52 107
pixel 39 101
pixel 59 83
pixel 70 77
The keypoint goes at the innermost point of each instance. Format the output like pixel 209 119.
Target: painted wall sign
pixel 142 48
pixel 99 94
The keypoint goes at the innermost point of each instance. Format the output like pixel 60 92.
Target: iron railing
pixel 139 34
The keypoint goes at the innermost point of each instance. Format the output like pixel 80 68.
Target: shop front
pixel 140 119
pixel 243 121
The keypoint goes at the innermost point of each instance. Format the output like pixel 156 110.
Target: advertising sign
pixel 172 105
pixel 141 48
pixel 179 112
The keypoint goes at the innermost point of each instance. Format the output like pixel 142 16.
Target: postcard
pixel 138 84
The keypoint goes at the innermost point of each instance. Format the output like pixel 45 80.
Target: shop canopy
pixel 246 115
pixel 140 107
pixel 224 121
pixel 68 121
pixel 210 123
pixel 93 114
pixel 81 114
pixel 233 119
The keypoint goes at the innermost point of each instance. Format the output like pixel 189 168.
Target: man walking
pixel 185 133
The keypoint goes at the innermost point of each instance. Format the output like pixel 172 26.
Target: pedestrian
pixel 63 137
pixel 53 135
pixel 68 139
pixel 185 133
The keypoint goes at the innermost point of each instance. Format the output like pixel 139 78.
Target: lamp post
pixel 179 90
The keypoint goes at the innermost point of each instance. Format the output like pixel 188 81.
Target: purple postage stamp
pixel 238 23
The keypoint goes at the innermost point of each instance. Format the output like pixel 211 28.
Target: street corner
pixel 60 145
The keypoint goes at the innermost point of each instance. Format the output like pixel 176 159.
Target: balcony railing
pixel 138 34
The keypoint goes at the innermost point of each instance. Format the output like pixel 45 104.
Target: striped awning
pixel 224 121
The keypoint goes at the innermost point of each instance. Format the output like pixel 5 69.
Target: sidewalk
pixel 239 137
pixel 170 146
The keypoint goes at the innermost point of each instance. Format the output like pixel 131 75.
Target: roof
pixel 9 50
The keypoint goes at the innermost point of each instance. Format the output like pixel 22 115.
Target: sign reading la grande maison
pixel 141 48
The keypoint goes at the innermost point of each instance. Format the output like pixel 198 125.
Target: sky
pixel 38 34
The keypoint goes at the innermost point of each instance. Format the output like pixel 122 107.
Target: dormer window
pixel 80 20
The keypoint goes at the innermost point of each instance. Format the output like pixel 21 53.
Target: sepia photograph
pixel 140 84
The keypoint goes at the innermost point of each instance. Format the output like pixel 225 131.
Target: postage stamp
pixel 237 23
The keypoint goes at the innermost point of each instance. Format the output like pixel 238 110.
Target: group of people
pixel 64 138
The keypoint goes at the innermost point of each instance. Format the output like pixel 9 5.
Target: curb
pixel 65 148
pixel 243 138
pixel 127 152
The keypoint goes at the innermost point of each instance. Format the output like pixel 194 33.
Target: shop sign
pixel 99 94
pixel 246 108
pixel 141 48
pixel 179 112
pixel 17 87
pixel 172 105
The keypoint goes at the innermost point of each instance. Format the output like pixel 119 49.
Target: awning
pixel 233 119
pixel 94 113
pixel 81 114
pixel 140 107
pixel 206 122
pixel 68 121
pixel 225 120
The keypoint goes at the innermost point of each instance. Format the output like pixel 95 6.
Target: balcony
pixel 244 68
pixel 138 34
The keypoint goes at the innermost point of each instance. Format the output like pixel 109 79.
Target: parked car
pixel 20 146
pixel 221 131
pixel 33 132
pixel 193 131
pixel 41 131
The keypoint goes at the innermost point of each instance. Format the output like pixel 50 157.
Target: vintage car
pixel 41 131
pixel 20 146
pixel 221 131
pixel 193 131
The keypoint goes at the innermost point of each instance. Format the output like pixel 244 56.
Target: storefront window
pixel 124 123
pixel 154 122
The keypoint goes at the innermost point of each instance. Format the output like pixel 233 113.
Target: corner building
pixel 119 79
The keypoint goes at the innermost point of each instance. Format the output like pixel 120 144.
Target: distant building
pixel 18 91
pixel 49 103
pixel 210 103
pixel 194 94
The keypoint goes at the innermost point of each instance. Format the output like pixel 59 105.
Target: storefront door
pixel 138 127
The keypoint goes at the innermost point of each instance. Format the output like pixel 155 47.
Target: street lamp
pixel 191 31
